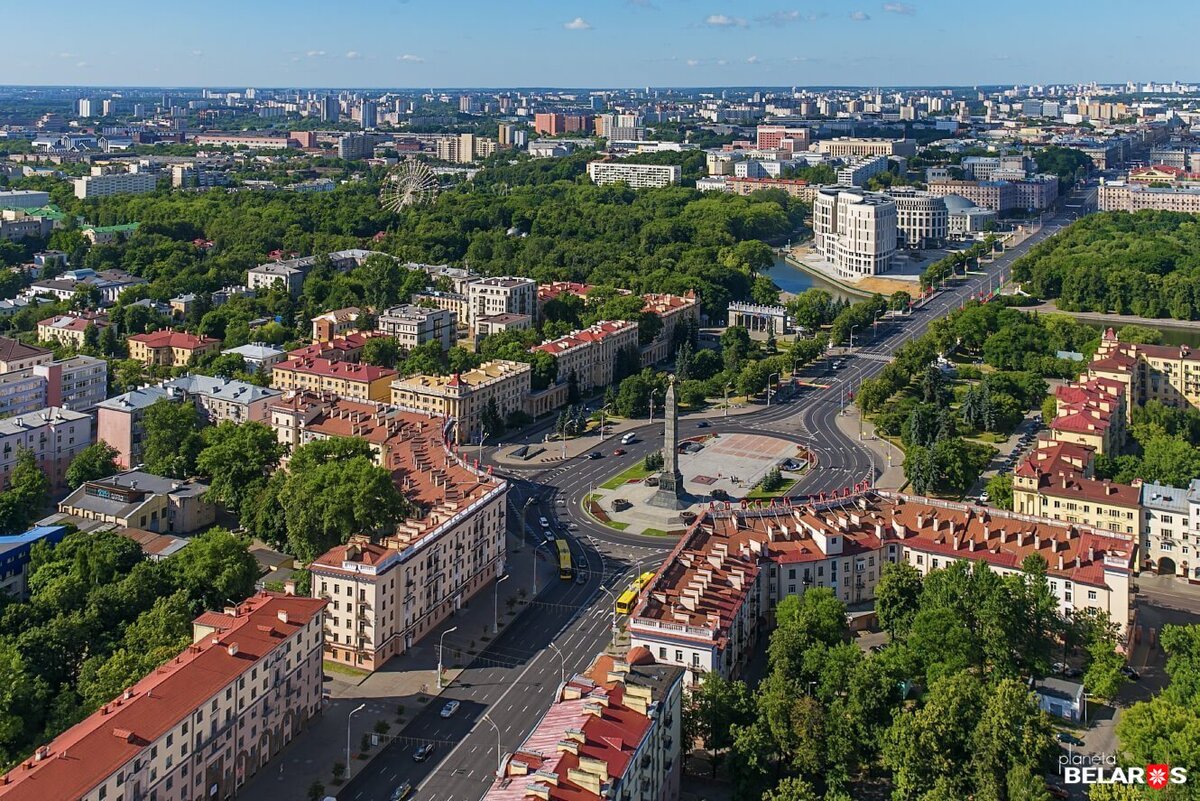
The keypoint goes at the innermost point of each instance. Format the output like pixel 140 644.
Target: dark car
pixel 1130 673
pixel 595 455
pixel 422 753
pixel 702 424
pixel 1068 738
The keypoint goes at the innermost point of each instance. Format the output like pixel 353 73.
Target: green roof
pixel 112 229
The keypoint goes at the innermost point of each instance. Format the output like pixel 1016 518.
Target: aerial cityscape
pixel 599 402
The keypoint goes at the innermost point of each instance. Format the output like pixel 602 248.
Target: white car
pixel 450 708
pixel 545 523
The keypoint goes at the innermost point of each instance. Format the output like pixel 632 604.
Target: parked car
pixel 983 497
pixel 423 752
pixel 450 708
pixel 1068 739
pixel 544 522
pixel 400 793
pixel 1130 673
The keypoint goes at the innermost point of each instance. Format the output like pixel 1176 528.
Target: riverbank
pixel 1118 320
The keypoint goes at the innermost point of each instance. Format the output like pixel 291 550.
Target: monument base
pixel 670 493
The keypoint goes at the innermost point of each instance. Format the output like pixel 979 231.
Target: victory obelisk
pixel 670 494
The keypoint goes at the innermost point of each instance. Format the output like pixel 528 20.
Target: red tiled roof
pixel 586 336
pixel 85 755
pixel 166 338
pixel 335 369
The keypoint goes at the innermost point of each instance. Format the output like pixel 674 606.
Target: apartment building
pixel 705 608
pixel 258 357
pixel 348 379
pixel 613 731
pixel 21 392
pixel 922 220
pixel 137 499
pixel 487 297
pixel 673 310
pixel 841 147
pixel 119 422
pixel 385 597
pixel 16 225
pixel 860 170
pixel 1050 483
pixel 498 324
pixel 114 183
pixel 456 303
pixel 78 383
pixel 637 176
pixel 219 399
pixel 167 348
pixel 1122 196
pixel 109 283
pixel 999 196
pixel 413 325
pixel 590 354
pixel 782 137
pixel 1091 413
pixel 855 231
pixel 1036 193
pixel 1169 374
pixel 801 190
pixel 1172 529
pixel 464 397
pixel 54 435
pixel 200 725
pixel 335 323
pixel 288 274
pixel 15 554
pixel 69 328
pixel 16 355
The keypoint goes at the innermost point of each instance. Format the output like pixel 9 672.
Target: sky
pixel 596 43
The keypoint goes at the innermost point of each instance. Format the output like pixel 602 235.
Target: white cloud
pixel 692 62
pixel 752 60
pixel 81 64
pixel 721 62
pixel 899 8
pixel 578 24
pixel 353 55
pixel 779 17
pixel 197 52
pixel 410 57
pixel 315 53
pixel 859 16
pixel 724 21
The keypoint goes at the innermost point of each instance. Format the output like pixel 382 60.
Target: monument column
pixel 670 492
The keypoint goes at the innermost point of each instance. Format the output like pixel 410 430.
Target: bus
pixel 627 600
pixel 565 571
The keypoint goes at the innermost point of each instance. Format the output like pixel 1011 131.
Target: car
pixel 703 424
pixel 423 752
pixel 619 452
pixel 983 497
pixel 1056 791
pixel 544 522
pixel 581 578
pixel 629 438
pixel 1130 673
pixel 1068 739
pixel 400 793
pixel 595 455
pixel 450 708
pixel 1059 667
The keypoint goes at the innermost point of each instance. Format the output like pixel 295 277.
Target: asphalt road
pixel 508 687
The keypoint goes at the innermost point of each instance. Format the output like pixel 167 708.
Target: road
pixel 508 687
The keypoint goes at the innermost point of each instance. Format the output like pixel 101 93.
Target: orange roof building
pixel 347 379
pixel 167 348
pixel 209 718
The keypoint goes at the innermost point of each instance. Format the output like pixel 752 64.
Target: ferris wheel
pixel 412 183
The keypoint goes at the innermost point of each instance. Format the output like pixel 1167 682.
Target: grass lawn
pixel 757 492
pixel 617 524
pixel 345 670
pixel 654 532
pixel 638 471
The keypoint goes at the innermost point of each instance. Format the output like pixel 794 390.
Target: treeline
pixel 99 617
pixel 1146 263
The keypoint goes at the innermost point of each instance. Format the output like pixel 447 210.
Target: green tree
pixel 22 502
pixel 98 460
pixel 172 439
pixel 1000 491
pixel 897 598
pixel 381 352
pixel 1012 730
pixel 793 789
pixel 236 460
pixel 1103 677
pixel 215 568
pixel 713 707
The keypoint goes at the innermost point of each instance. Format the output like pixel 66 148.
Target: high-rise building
pixel 108 107
pixel 84 106
pixel 353 146
pixel 330 109
pixel 854 230
pixel 369 114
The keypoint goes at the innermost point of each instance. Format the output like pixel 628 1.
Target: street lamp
pixel 483 434
pixel 530 501
pixel 535 550
pixel 727 386
pixel 562 676
pixel 441 653
pixel 652 391
pixel 496 588
pixel 499 754
pixel 353 712
pixel 776 377
pixel 852 329
pixel 614 612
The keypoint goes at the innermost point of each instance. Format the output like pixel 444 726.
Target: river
pixel 794 280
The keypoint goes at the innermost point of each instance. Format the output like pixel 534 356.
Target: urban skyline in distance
pixel 665 43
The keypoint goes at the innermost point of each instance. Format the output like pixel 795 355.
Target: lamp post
pixel 499 753
pixel 441 653
pixel 535 550
pixel 353 712
pixel 776 376
pixel 614 612
pixel 562 676
pixel 652 391
pixel 530 501
pixel 496 600
pixel 483 434
pixel 852 329
pixel 727 386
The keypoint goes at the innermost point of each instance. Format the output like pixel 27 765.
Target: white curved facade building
pixel 922 220
pixel 855 230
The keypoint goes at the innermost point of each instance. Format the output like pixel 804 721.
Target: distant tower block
pixel 670 494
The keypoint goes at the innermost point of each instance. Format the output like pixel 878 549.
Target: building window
pixel 1091 595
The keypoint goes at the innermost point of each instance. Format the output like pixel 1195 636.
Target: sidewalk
pixel 400 689
pixel 891 477
pixel 552 452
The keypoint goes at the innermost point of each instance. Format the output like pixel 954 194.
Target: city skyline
pixel 675 43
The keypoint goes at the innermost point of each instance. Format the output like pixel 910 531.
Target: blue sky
pixel 597 43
